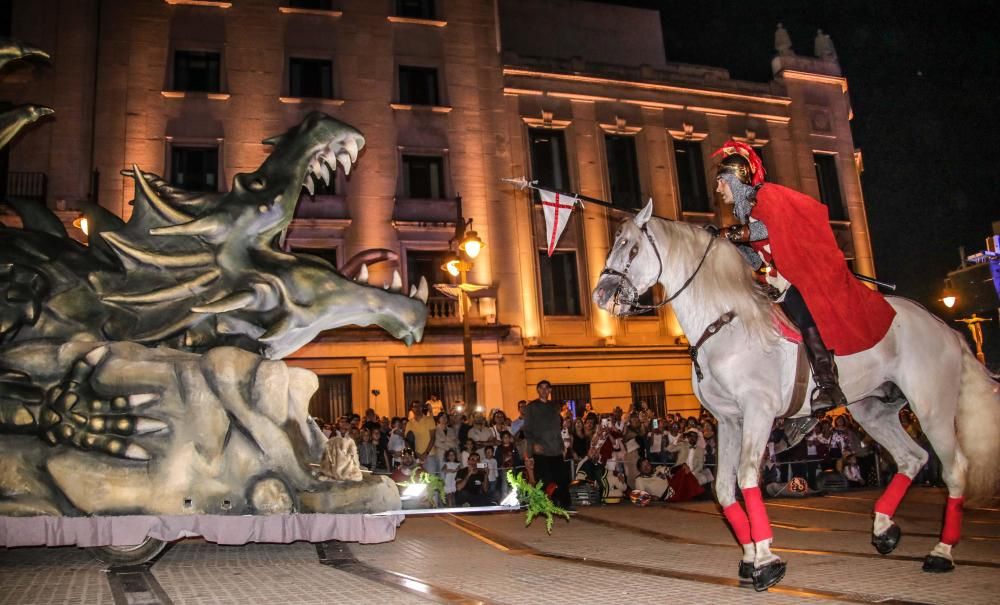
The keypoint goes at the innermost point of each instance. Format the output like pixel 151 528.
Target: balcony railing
pixel 443 309
pixel 27 185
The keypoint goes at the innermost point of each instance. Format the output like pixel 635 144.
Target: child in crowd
pixel 491 470
pixel 367 451
pixel 468 448
pixel 507 458
pixel 450 468
pixel 396 443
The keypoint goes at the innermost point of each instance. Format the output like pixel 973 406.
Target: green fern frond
pixel 537 501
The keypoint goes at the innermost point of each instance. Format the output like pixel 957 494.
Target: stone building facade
pixel 451 95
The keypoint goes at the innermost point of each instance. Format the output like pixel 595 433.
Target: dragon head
pixel 200 270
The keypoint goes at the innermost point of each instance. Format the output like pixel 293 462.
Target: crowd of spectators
pixel 667 456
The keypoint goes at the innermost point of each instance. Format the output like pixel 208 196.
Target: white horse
pixel 749 375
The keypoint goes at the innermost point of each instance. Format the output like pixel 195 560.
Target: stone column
pixel 588 138
pixel 491 395
pixel 378 378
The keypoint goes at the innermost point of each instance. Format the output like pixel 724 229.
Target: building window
pixel 427 264
pixel 423 177
pixel 548 159
pixel 321 5
pixel 416 9
pixel 312 78
pixel 195 168
pixel 623 172
pixel 560 284
pixel 654 393
pixel 691 177
pixel 327 254
pixel 197 71
pixel 449 386
pixel 333 398
pixel 576 396
pixel 829 184
pixel 418 85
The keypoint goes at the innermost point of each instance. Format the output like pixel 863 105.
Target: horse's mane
pixel 724 283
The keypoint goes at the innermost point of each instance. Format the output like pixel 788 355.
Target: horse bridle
pixel 627 295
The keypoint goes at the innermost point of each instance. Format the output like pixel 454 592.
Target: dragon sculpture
pixel 141 374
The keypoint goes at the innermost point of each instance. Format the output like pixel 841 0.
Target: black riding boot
pixel 827 394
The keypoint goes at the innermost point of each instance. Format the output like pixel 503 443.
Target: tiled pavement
pixel 612 554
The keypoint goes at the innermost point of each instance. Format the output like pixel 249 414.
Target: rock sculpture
pixel 140 374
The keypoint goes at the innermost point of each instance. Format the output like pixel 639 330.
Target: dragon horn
pixel 206 225
pixel 422 290
pixel 168 294
pixel 277 330
pixel 127 250
pixel 162 208
pixel 232 302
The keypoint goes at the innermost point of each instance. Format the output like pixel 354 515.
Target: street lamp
pixel 458 264
pixel 948 296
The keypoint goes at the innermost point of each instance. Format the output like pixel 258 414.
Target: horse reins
pixel 632 307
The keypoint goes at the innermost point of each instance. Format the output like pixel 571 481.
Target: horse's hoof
pixel 768 575
pixel 746 571
pixel 936 564
pixel 887 542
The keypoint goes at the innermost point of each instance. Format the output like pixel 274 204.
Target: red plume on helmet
pixel 757 171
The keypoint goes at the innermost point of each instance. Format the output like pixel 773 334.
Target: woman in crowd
pixel 445 436
pixel 581 443
pixel 367 450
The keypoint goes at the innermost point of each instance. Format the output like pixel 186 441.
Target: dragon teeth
pixel 324 173
pixel 344 159
pixel 351 146
pixel 308 184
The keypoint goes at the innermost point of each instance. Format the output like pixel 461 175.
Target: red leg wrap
pixel 738 521
pixel 952 530
pixel 760 525
pixel 893 495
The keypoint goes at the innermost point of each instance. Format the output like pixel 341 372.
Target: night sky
pixel 924 82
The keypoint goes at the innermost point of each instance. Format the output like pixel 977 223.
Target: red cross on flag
pixel 558 207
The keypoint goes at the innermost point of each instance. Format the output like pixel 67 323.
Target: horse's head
pixel 632 267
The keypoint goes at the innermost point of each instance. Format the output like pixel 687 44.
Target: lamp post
pixel 458 264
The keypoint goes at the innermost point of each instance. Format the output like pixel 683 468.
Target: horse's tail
pixel 978 423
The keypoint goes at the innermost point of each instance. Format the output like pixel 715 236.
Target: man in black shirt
pixel 471 483
pixel 543 432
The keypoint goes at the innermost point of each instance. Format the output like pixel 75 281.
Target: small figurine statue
pixel 824 47
pixel 782 42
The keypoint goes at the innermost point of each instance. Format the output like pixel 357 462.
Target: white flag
pixel 558 207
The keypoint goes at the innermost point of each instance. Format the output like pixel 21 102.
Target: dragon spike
pixel 397 282
pixel 162 208
pixel 422 290
pixel 181 324
pixel 344 159
pixel 362 275
pixel 351 145
pixel 272 140
pixel 278 329
pixel 233 302
pixel 172 293
pixel 126 249
pixel 413 290
pixel 206 225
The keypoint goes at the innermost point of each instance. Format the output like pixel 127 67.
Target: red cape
pixel 850 316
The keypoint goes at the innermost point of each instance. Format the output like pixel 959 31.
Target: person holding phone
pixel 471 483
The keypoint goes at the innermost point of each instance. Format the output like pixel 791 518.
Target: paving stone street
pixel 620 553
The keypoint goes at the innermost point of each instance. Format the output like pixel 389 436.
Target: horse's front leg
pixel 768 567
pixel 725 491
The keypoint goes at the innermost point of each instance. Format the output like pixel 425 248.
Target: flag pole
pixel 523 183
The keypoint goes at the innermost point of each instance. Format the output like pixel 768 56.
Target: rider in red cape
pixel 790 232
